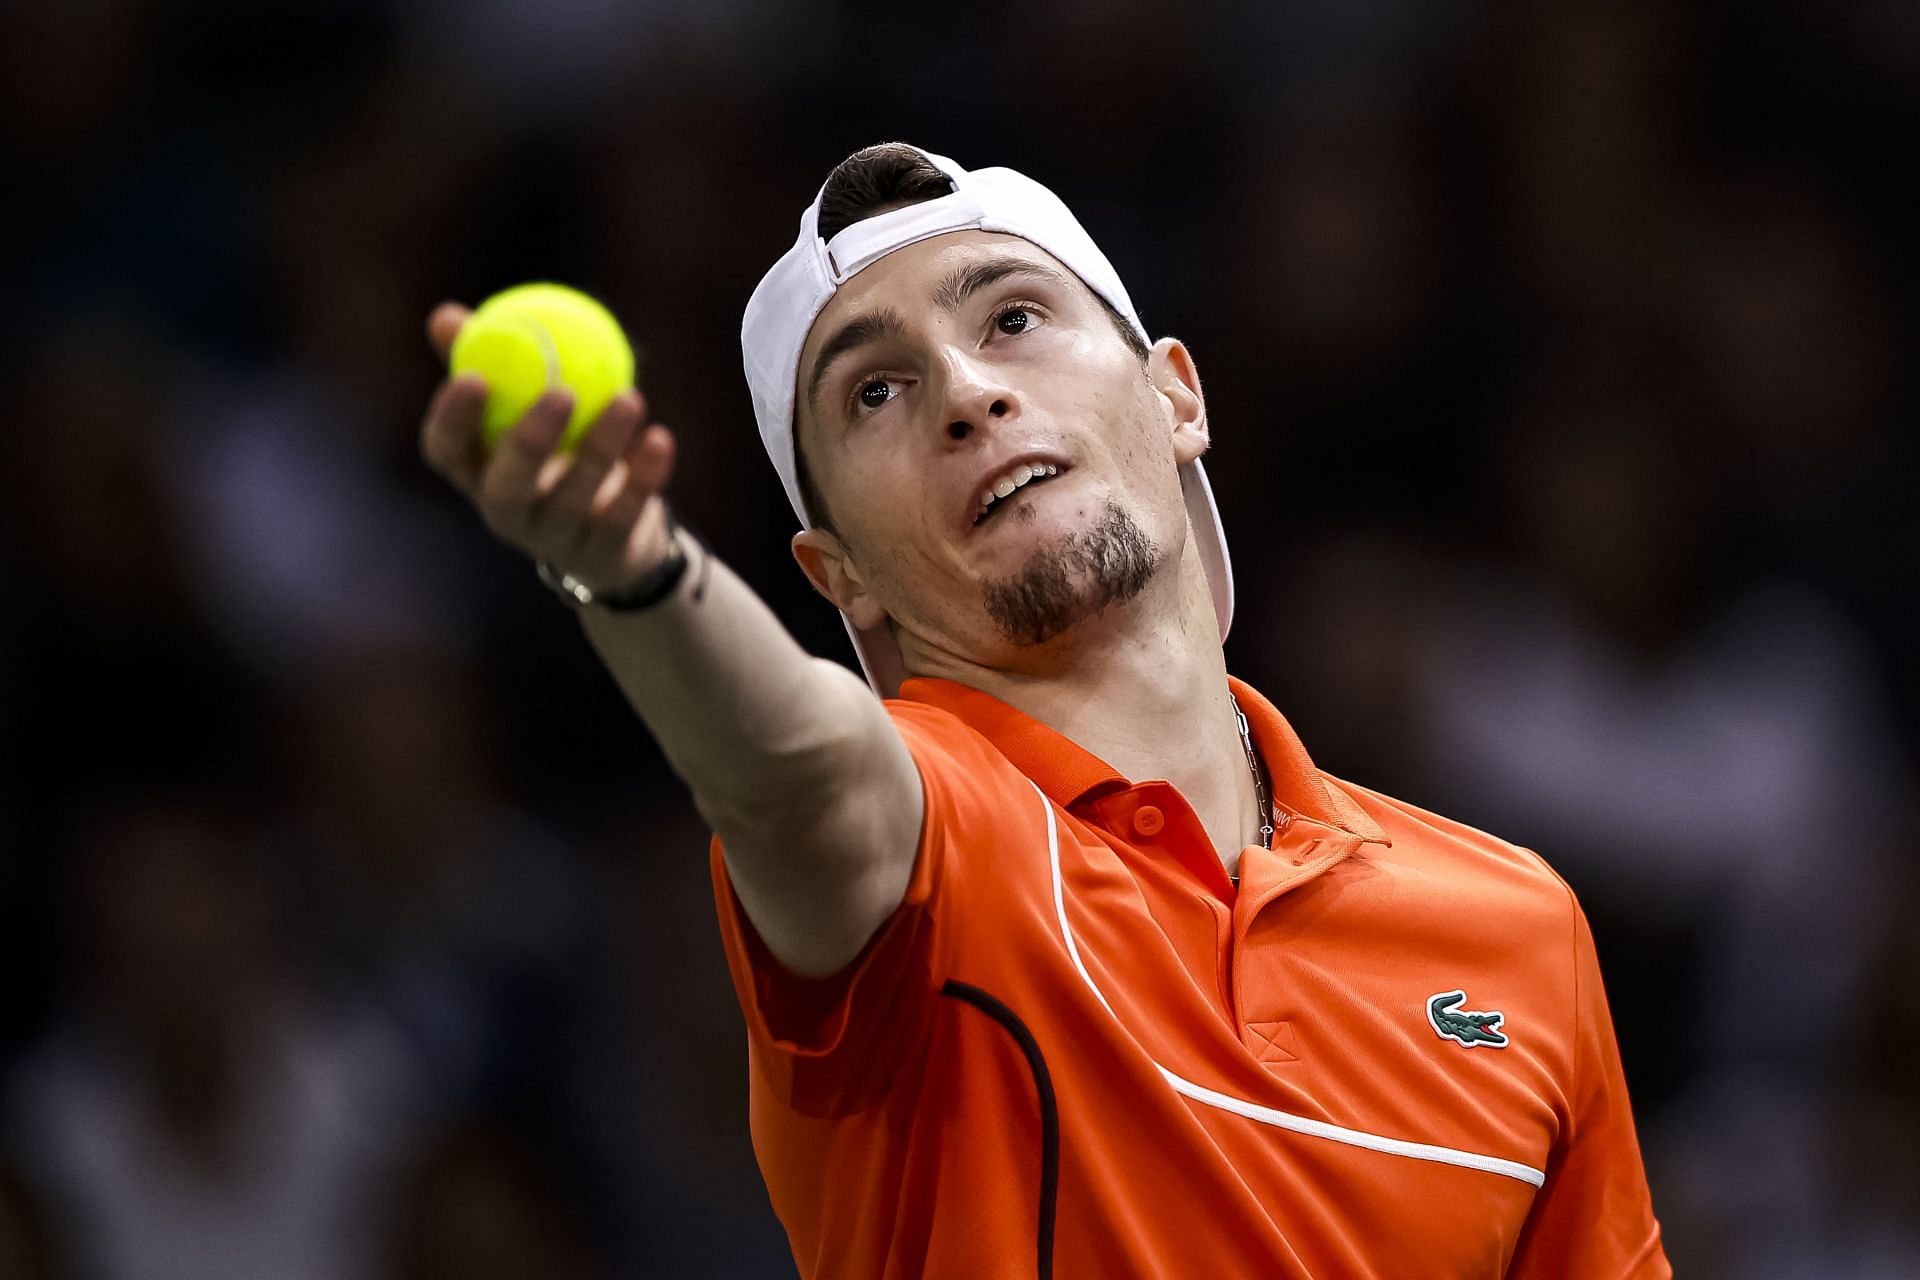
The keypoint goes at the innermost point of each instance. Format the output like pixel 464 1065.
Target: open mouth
pixel 1022 479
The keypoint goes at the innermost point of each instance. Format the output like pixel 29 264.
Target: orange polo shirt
pixel 1076 1050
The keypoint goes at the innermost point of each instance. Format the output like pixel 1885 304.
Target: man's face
pixel 948 371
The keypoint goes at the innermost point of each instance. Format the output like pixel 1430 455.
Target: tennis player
pixel 1060 957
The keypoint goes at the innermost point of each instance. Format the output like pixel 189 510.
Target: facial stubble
pixel 1071 581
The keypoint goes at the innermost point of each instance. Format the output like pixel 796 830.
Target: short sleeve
pixel 832 1046
pixel 1594 1217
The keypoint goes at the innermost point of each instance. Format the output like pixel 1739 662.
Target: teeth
pixel 1020 475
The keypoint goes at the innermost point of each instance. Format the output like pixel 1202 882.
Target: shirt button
pixel 1148 820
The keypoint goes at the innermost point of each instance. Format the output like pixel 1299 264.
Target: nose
pixel 975 397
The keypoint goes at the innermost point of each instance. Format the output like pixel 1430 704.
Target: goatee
pixel 1062 585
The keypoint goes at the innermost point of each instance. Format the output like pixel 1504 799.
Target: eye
pixel 874 394
pixel 1016 318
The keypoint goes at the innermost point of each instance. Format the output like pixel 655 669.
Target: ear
pixel 1170 369
pixel 833 574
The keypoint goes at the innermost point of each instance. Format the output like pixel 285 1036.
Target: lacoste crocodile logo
pixel 1469 1026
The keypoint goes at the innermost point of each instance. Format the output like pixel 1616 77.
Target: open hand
pixel 595 514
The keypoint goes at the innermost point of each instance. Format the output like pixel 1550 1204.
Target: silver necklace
pixel 1259 779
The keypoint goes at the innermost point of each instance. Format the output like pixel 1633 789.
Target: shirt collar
pixel 1297 785
pixel 1069 773
pixel 1059 766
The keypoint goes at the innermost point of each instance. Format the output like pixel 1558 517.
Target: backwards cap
pixel 791 296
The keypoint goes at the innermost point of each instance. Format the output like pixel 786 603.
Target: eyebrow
pixel 969 280
pixel 857 332
pixel 950 295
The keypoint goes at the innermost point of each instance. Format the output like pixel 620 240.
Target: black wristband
pixel 653 587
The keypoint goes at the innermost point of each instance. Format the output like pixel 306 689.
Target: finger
pixel 451 440
pixel 606 505
pixel 618 512
pixel 571 499
pixel 642 472
pixel 620 502
pixel 596 541
pixel 444 325
pixel 510 484
pixel 650 457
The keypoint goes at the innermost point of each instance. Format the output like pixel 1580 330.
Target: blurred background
pixel 1559 358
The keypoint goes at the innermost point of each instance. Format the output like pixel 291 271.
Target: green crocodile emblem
pixel 1469 1026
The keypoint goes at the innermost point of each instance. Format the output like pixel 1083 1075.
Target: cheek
pixel 888 510
pixel 1140 433
pixel 1146 457
pixel 879 495
pixel 1082 381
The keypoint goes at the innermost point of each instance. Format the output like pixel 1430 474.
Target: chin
pixel 1065 576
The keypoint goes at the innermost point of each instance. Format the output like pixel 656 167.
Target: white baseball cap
pixel 791 296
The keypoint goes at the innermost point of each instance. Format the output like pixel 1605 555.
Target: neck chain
pixel 1259 778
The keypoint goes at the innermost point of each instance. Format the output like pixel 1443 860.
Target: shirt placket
pixel 1303 850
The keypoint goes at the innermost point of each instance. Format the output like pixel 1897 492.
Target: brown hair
pixel 875 179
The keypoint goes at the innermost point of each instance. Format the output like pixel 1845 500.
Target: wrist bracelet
pixel 653 587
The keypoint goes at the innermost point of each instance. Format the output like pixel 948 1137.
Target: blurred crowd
pixel 1559 358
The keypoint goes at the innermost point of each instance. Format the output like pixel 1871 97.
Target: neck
pixel 1143 687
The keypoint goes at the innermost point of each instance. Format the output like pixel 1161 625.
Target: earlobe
pixel 1170 368
pixel 824 561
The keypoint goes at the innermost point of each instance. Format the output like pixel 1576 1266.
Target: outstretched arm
pixel 789 757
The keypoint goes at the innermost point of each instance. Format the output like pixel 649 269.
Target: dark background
pixel 1559 359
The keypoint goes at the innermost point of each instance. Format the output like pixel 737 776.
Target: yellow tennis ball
pixel 529 338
